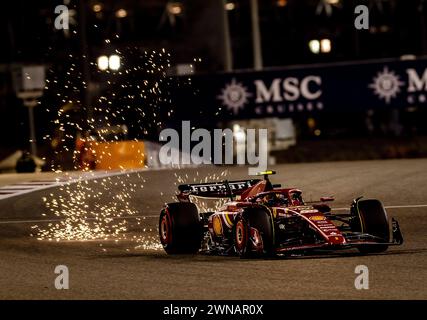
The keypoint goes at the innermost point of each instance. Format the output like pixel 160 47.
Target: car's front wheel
pixel 253 233
pixel 369 216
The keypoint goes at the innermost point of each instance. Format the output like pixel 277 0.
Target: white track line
pixel 391 207
pixel 21 188
pixel 153 164
pixel 59 220
pixel 18 188
pixel 407 206
pixel 156 216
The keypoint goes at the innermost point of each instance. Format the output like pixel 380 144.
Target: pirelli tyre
pixel 253 233
pixel 180 229
pixel 369 216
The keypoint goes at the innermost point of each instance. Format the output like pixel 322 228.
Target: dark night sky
pixel 397 27
pixel 28 36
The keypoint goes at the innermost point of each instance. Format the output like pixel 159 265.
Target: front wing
pixel 397 239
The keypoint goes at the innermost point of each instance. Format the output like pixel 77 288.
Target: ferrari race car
pixel 256 218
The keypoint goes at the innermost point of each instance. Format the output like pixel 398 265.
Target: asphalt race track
pixel 116 270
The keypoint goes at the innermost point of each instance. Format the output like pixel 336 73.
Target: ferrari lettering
pixel 220 187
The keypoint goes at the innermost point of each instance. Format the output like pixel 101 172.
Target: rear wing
pixel 217 189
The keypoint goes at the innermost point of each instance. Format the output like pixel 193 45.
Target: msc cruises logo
pixel 387 85
pixel 277 95
pixel 234 96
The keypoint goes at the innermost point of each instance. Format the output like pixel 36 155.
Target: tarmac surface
pixel 108 269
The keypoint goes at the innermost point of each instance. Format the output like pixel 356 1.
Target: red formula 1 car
pixel 256 218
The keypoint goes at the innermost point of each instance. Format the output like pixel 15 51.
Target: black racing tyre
pixel 180 229
pixel 260 219
pixel 371 218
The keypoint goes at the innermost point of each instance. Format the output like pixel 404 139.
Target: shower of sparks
pixel 137 98
pixel 86 214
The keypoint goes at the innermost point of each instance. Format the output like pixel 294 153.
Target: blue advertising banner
pixel 285 92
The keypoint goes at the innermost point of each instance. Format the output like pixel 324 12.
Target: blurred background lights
pixel 333 1
pixel 230 6
pixel 114 62
pixel 320 46
pixel 97 7
pixel 314 46
pixel 174 8
pixel 103 63
pixel 121 13
pixel 325 45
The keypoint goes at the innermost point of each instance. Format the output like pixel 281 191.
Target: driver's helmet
pixel 296 198
pixel 274 199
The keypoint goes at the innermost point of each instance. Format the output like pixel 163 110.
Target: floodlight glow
pixel 325 45
pixel 175 8
pixel 114 62
pixel 230 6
pixel 97 7
pixel 314 46
pixel 103 63
pixel 121 13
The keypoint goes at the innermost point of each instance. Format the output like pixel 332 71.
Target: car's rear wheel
pixel 253 233
pixel 369 216
pixel 180 229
